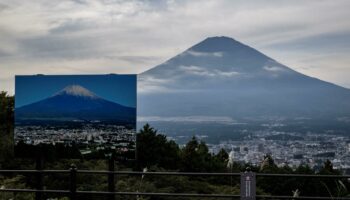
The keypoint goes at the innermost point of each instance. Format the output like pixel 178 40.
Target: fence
pixel 247 190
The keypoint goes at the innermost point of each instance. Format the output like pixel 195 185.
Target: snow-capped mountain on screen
pixel 77 90
pixel 224 78
pixel 75 102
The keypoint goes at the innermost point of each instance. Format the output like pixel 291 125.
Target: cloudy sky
pixel 111 36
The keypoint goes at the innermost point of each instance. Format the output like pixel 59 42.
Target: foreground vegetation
pixel 156 153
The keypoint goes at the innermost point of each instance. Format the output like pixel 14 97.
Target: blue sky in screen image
pixel 117 88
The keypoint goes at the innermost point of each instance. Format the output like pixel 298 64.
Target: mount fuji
pixel 223 78
pixel 75 102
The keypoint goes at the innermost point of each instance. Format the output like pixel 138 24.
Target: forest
pixel 156 153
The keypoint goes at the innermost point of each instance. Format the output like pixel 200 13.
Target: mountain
pixel 221 77
pixel 75 102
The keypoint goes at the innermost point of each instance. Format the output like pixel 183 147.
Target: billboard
pixel 75 116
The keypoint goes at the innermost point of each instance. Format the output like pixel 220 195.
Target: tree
pixel 222 155
pixel 196 157
pixel 6 125
pixel 328 168
pixel 330 187
pixel 190 157
pixel 268 164
pixel 155 149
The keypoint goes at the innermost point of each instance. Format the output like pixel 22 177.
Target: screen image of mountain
pixel 88 114
pixel 76 102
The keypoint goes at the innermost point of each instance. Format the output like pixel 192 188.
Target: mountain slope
pixel 223 77
pixel 75 102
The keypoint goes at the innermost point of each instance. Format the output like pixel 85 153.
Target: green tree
pixel 155 149
pixel 328 169
pixel 273 185
pixel 268 164
pixel 222 155
pixel 332 187
pixel 190 157
pixel 195 157
pixel 6 125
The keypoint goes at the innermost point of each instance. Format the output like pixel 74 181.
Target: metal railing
pixel 111 193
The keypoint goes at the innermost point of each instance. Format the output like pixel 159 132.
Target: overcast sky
pixel 94 37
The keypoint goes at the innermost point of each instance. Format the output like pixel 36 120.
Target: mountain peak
pixel 218 55
pixel 76 90
pixel 223 38
pixel 219 43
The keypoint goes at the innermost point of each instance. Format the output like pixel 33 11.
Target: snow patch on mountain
pixel 77 90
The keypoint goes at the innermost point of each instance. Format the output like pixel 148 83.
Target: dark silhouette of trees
pixel 6 125
pixel 222 156
pixel 196 157
pixel 155 149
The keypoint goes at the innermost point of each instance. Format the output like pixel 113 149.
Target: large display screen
pixel 75 116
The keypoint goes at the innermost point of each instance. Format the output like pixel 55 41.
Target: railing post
pixel 73 182
pixel 248 185
pixel 39 176
pixel 111 185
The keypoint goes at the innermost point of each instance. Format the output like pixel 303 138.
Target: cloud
pixel 164 84
pixel 149 84
pixel 187 119
pixel 145 88
pixel 205 54
pixel 273 68
pixel 153 80
pixel 226 73
pixel 95 36
pixel 196 70
pixel 202 71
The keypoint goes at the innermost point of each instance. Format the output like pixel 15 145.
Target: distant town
pixel 89 137
pixel 290 149
pixel 286 148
